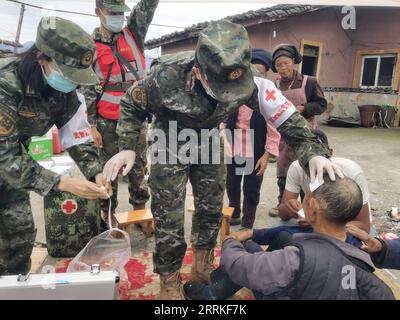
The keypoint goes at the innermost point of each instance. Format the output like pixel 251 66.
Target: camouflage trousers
pixel 168 190
pixel 138 189
pixel 17 232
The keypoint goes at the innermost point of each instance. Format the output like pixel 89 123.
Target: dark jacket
pixel 258 124
pixel 311 267
pixel 389 257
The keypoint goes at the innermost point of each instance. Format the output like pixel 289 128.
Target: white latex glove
pixel 318 165
pixel 113 166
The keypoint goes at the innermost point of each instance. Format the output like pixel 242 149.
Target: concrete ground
pixel 377 151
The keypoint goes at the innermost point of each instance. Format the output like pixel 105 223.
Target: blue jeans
pixel 392 259
pixel 269 235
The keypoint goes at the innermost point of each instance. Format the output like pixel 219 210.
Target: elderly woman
pixel 304 92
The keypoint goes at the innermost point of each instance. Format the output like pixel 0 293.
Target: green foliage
pixel 388 107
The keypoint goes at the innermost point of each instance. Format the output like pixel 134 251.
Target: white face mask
pixel 114 23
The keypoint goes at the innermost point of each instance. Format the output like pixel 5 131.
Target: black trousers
pixel 251 191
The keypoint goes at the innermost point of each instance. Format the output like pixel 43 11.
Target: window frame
pixel 357 76
pixel 312 43
pixel 378 69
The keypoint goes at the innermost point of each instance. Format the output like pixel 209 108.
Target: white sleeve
pixel 293 179
pixel 77 130
pixel 273 104
pixel 362 183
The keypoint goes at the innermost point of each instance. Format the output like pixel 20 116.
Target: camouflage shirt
pixel 171 92
pixel 138 24
pixel 27 114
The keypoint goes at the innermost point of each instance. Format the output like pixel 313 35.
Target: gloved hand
pixel 103 184
pixel 113 166
pixel 318 165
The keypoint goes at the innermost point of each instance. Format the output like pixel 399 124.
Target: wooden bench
pixel 143 217
pixel 226 221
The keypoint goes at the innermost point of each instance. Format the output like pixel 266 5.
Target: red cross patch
pixel 69 206
pixel 270 95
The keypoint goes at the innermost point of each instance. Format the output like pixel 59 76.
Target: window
pixel 378 71
pixel 310 60
pixel 312 53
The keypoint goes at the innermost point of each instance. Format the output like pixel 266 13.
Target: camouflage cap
pixel 223 54
pixel 71 47
pixel 113 5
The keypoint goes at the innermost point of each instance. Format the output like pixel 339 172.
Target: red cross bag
pixel 70 223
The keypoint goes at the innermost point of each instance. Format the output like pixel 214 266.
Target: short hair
pixel 341 200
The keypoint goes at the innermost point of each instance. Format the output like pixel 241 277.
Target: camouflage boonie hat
pixel 223 54
pixel 113 5
pixel 71 47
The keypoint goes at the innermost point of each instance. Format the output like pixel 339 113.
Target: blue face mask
pixel 114 23
pixel 58 82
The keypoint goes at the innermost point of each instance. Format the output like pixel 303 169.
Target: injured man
pixel 319 265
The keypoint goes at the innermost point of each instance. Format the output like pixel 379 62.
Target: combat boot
pixel 171 287
pixel 202 266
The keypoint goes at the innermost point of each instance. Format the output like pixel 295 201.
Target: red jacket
pixel 108 105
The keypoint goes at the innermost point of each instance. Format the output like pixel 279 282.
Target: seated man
pixel 298 180
pixel 384 253
pixel 310 266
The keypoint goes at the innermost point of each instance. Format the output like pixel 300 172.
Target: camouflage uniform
pixel 25 113
pixel 138 189
pixel 171 92
pixel 138 23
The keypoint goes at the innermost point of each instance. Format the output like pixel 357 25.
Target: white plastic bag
pixel 110 249
pixel 77 130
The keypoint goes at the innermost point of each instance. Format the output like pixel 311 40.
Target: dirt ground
pixel 377 151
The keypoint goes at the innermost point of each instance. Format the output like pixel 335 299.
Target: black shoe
pixel 236 221
pixel 217 275
pixel 195 291
pixel 272 159
pixel 273 212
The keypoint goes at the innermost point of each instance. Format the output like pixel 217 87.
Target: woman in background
pixel 305 93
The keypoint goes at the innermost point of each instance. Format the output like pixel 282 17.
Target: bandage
pixel 315 185
pixel 301 213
